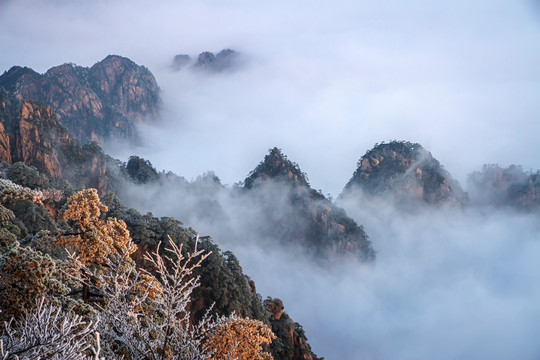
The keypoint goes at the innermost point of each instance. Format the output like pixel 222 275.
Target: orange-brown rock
pixel 96 103
pixel 407 173
pixel 34 138
pixel 130 88
pixel 291 340
pixel 30 133
pixel 275 307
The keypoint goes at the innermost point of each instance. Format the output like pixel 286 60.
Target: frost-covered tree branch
pixel 147 313
pixel 47 332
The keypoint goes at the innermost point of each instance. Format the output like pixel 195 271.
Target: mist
pixel 325 81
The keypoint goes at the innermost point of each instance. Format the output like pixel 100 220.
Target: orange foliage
pixel 240 339
pixel 95 238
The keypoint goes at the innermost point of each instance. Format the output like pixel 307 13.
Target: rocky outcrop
pixel 106 100
pixel 32 135
pixel 225 60
pixel 126 88
pixel 407 173
pixel 223 287
pixel 295 214
pixel 36 137
pixel 291 342
pixel 511 186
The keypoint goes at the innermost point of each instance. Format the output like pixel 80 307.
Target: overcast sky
pixel 323 80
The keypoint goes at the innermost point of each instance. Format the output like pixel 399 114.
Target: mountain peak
pixel 277 166
pixel 9 79
pixel 94 104
pixel 408 172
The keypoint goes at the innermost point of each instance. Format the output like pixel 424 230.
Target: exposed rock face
pixel 291 341
pixel 96 103
pixel 407 173
pixel 275 307
pixel 35 134
pixel 296 214
pixel 125 87
pixel 32 135
pixel 511 186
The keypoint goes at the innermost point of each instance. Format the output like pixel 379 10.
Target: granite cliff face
pixel 511 186
pixel 296 214
pixel 407 173
pixel 97 103
pixel 36 138
pixel 30 133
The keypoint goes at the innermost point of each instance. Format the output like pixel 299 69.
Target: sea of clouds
pixel 325 81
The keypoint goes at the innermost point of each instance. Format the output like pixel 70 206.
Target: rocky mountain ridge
pixel 104 101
